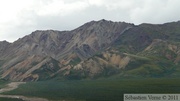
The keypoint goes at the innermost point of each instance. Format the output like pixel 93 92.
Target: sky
pixel 21 17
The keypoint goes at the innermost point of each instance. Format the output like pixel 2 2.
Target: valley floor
pixel 96 90
pixel 12 86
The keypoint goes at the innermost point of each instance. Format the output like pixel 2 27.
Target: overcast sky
pixel 21 17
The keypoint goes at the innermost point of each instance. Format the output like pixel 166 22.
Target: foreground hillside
pixel 95 49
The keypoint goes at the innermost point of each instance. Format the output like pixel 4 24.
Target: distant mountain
pixel 95 49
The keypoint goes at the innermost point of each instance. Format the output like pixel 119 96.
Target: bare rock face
pixel 28 54
pixel 3 46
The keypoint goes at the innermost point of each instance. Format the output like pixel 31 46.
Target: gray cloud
pixel 68 14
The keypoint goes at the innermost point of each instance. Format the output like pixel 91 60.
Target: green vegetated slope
pixel 97 90
pixel 154 49
pixel 10 99
pixel 3 83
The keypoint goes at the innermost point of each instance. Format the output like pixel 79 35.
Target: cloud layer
pixel 21 17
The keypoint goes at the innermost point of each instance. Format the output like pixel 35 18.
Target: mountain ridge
pixel 95 49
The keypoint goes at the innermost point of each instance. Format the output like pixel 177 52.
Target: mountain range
pixel 94 50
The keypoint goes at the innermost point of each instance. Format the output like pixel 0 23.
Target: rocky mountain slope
pixel 95 49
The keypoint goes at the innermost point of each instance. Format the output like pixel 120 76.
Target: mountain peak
pixel 4 41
